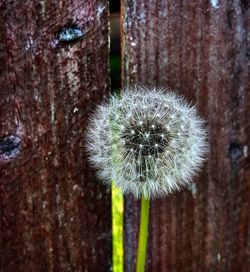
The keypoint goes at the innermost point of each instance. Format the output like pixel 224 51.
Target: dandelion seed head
pixel 149 142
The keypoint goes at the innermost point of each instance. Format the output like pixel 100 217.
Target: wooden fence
pixel 54 216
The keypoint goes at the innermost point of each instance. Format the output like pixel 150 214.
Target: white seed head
pixel 149 142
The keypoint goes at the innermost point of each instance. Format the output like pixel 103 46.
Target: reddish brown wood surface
pixel 200 48
pixel 54 216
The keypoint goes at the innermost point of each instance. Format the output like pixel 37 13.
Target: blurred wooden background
pixel 54 216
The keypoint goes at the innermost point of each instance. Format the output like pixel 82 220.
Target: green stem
pixel 117 228
pixel 143 235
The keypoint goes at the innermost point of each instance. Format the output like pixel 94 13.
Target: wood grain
pixel 200 48
pixel 54 215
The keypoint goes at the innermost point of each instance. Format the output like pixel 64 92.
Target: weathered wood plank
pixel 200 48
pixel 54 216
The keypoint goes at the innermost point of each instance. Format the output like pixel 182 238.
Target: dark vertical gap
pixel 115 76
pixel 115 48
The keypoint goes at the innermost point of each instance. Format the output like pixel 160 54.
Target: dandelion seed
pixel 162 153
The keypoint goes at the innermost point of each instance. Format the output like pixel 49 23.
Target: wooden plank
pixel 200 48
pixel 54 215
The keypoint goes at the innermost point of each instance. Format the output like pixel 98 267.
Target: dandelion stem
pixel 117 228
pixel 143 235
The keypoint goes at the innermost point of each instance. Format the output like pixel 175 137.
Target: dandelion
pixel 150 142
